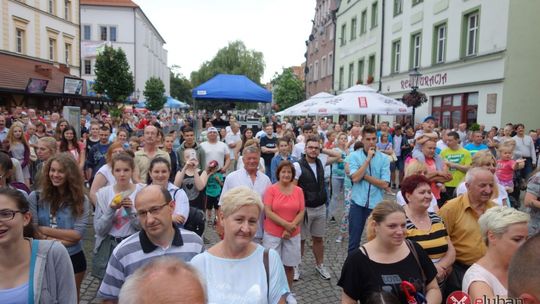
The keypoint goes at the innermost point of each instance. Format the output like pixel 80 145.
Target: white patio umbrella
pixel 362 100
pixel 306 107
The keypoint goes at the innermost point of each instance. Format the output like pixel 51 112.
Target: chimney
pixel 43 70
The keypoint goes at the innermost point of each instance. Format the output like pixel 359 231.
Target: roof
pixel 15 71
pixel 232 88
pixel 120 3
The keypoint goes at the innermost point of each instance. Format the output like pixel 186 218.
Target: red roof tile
pixel 15 72
pixel 122 3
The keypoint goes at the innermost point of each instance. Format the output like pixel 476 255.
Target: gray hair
pixel 239 197
pixel 251 149
pixel 132 290
pixel 498 219
pixel 473 173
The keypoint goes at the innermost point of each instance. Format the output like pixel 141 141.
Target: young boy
pixel 213 190
pixel 284 153
pixel 423 136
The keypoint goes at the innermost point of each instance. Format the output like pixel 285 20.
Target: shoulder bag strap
pixel 35 245
pixel 267 270
pixel 415 254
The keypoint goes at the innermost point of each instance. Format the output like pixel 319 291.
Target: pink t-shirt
pixel 505 170
pixel 285 206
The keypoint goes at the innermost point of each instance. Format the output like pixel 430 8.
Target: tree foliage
pixel 232 59
pixel 180 86
pixel 288 89
pixel 113 76
pixel 154 93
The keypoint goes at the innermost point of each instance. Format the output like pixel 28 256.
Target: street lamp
pixel 414 98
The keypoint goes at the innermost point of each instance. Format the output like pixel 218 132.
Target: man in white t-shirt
pixel 234 142
pixel 216 150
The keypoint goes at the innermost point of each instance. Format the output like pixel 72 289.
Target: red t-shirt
pixel 285 206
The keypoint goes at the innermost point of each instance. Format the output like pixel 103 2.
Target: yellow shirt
pixel 462 225
pixel 142 162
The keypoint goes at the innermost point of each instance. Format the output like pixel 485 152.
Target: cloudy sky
pixel 196 29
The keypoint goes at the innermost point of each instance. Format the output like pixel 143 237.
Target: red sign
pixel 362 102
pixel 458 297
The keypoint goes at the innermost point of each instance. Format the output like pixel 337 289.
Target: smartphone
pixel 192 155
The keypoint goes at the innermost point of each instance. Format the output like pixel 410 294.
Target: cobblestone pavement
pixel 309 289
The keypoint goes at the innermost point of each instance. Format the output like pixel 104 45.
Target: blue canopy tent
pixel 175 104
pixel 233 88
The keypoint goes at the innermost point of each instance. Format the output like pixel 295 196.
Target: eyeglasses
pixel 313 147
pixel 153 211
pixel 8 215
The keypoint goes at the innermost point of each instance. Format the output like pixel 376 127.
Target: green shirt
pixel 213 187
pixel 459 156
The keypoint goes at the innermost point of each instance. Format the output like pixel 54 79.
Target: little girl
pixel 19 149
pixel 506 165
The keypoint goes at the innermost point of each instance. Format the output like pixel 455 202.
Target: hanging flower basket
pixel 414 99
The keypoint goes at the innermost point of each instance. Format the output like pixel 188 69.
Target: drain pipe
pixel 382 48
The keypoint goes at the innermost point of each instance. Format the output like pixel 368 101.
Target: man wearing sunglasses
pixel 158 237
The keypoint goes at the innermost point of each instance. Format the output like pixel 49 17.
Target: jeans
pixel 357 220
pixel 337 196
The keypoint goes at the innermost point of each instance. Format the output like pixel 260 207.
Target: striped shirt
pixel 434 241
pixel 137 250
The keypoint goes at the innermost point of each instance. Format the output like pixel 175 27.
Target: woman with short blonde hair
pixel 504 230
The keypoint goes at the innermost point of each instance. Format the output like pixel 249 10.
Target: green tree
pixel 232 59
pixel 288 88
pixel 113 76
pixel 154 93
pixel 180 86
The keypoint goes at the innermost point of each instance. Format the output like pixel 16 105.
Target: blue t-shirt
pixel 475 148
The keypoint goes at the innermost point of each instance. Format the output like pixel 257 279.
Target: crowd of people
pixel 425 210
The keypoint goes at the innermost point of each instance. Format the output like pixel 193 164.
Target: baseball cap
pixel 213 164
pixel 212 129
pixel 428 118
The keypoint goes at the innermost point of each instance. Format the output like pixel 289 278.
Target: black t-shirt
pixel 271 144
pixel 361 276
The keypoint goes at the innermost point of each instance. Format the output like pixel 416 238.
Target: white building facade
pixel 477 61
pixel 47 31
pixel 123 24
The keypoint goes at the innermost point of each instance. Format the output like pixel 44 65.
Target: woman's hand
pixel 178 218
pixel 441 272
pixel 290 227
pixel 286 235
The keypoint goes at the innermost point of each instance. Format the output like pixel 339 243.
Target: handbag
pixel 196 221
pixel 102 255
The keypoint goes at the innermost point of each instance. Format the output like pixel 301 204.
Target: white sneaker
pixel 339 239
pixel 291 299
pixel 296 275
pixel 323 272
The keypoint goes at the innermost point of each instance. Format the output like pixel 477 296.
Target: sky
pixel 194 30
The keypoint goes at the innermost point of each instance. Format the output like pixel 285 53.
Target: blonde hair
pixel 415 167
pixel 482 158
pixel 239 197
pixel 379 214
pixel 509 145
pixel 498 219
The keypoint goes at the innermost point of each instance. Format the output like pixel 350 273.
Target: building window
pixel 87 67
pixel 330 69
pixel 415 2
pixel 398 7
pixel 361 71
pixel 316 71
pixel 396 56
pixel 103 33
pixel 112 33
pixel 19 41
pixel 371 66
pixel 440 43
pixel 51 5
pixel 87 32
pixel 353 28
pixel 340 79
pixel 451 110
pixel 363 22
pixel 374 15
pixel 343 33
pixel 67 10
pixel 68 53
pixel 52 49
pixel 471 40
pixel 350 81
pixel 416 45
pixel 323 67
